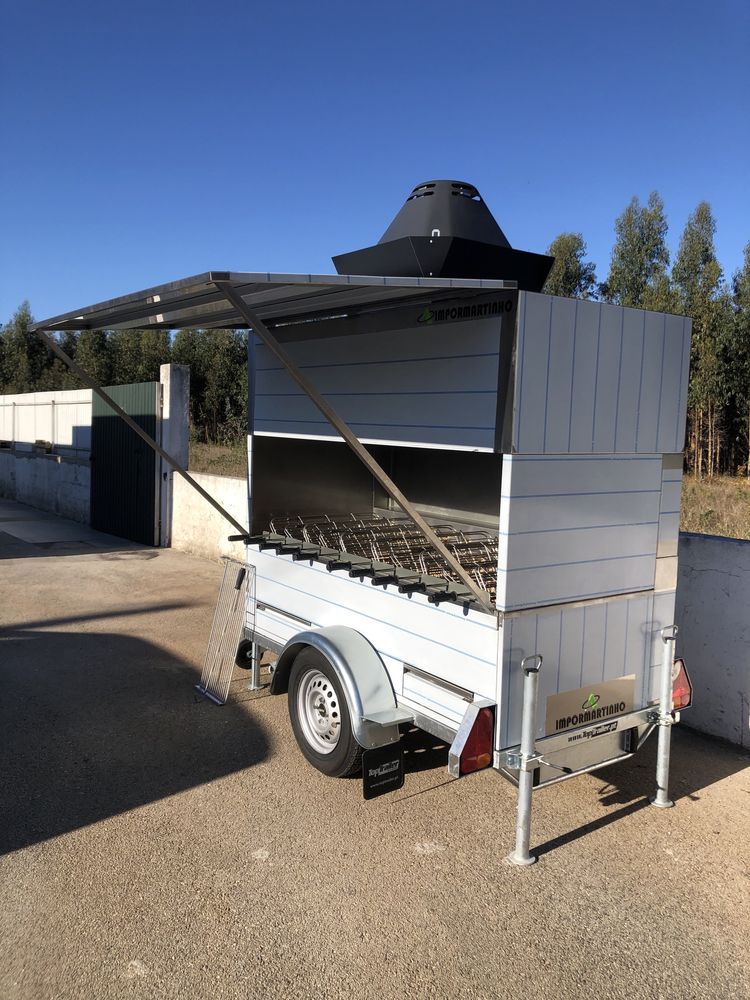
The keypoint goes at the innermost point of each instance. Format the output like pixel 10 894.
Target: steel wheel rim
pixel 319 712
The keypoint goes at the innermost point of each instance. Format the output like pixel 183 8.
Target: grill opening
pixel 393 543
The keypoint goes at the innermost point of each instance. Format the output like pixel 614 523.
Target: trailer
pixel 463 501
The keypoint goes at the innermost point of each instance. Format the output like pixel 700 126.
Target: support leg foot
pixel 521 860
pixel 660 803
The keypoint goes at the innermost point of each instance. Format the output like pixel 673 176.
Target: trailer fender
pixel 367 687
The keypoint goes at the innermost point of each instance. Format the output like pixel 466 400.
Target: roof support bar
pixel 353 441
pixel 56 349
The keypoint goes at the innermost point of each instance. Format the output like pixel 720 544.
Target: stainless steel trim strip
pixel 462 692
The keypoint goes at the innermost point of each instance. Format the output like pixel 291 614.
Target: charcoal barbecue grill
pixel 463 500
pixel 388 549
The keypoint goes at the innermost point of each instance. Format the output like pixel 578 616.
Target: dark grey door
pixel 124 493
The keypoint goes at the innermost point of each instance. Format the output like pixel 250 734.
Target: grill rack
pixel 388 550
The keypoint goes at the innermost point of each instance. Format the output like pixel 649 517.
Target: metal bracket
pixel 517 761
pixel 658 719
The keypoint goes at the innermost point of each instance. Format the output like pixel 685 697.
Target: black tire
pixel 345 758
pixel 244 656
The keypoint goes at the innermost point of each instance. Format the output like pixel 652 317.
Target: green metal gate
pixel 124 470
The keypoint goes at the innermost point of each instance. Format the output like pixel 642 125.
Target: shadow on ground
pixel 696 762
pixel 12 547
pixel 27 533
pixel 94 724
pixel 423 752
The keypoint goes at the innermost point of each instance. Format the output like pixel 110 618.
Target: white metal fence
pixel 61 419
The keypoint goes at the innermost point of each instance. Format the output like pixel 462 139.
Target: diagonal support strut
pixel 353 441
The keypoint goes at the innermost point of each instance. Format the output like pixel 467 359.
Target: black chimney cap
pixel 445 230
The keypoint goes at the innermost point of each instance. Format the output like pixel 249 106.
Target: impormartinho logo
pixel 591 702
pixel 476 310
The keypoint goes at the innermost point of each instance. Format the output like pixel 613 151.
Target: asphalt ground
pixel 155 845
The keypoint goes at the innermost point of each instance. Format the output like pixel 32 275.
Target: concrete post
pixel 175 437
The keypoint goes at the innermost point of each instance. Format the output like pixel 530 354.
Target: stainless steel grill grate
pixel 229 619
pixel 391 541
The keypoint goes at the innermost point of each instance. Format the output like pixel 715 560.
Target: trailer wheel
pixel 320 716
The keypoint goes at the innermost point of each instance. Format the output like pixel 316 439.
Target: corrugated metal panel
pixel 581 646
pixel 197 302
pixel 560 373
pixel 580 418
pixel 124 496
pixel 606 396
pixel 593 378
pixel 435 386
pixel 577 528
pixel 61 417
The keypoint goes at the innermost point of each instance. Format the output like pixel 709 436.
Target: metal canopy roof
pixel 274 298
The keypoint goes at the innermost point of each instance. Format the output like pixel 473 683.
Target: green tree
pixel 92 354
pixel 136 355
pixel 68 341
pixel 739 365
pixel 697 278
pixel 124 352
pixel 218 380
pixel 25 356
pixel 155 352
pixel 187 349
pixel 571 275
pixel 639 257
pixel 225 398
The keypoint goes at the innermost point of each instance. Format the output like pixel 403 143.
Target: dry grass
pixel 218 459
pixel 718 506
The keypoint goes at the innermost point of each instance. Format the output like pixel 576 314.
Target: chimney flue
pixel 445 230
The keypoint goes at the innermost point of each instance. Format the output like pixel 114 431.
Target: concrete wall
pixel 713 613
pixel 45 447
pixel 196 527
pixel 55 483
pixel 58 481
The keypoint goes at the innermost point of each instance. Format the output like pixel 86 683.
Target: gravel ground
pixel 157 846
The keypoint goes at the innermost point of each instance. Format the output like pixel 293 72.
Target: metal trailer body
pixel 555 426
pixel 556 423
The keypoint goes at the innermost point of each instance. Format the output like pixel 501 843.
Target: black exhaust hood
pixel 445 230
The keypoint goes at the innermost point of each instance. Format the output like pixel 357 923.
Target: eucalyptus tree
pixel 697 277
pixel 572 275
pixel 640 258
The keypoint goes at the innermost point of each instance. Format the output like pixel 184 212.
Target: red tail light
pixel 477 751
pixel 682 689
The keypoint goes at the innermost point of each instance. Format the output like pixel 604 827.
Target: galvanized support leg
pixel 665 722
pixel 530 666
pixel 254 682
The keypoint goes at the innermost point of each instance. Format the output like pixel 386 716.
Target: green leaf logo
pixel 428 316
pixel 592 701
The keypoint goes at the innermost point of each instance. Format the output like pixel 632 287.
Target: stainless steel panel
pixel 609 345
pixel 613 382
pixel 649 407
pixel 562 348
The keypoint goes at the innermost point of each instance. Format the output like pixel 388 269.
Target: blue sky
pixel 143 142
